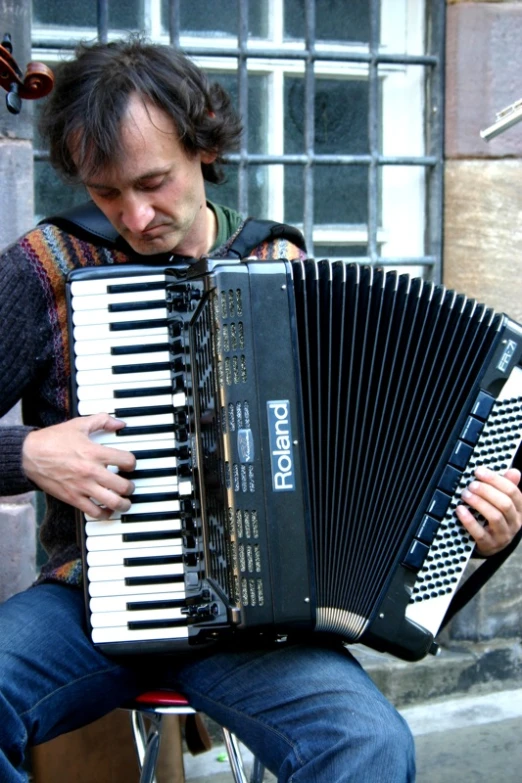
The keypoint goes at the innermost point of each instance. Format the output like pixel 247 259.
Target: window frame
pixel 400 232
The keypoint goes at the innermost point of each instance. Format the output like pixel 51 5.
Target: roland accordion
pixel 302 431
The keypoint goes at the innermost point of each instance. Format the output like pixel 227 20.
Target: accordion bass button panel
pixel 491 436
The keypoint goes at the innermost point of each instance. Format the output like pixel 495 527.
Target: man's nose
pixel 136 214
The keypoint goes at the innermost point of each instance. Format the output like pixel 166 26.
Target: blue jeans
pixel 309 712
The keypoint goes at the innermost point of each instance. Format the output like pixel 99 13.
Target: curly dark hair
pixel 91 93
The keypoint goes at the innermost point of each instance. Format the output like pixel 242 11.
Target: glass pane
pixel 227 192
pixel 78 13
pixel 335 20
pixel 341 127
pixel 340 251
pixel 340 195
pixel 341 116
pixel 257 99
pixel 51 195
pixel 258 191
pixel 220 17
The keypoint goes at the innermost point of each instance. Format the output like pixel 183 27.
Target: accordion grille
pixel 387 363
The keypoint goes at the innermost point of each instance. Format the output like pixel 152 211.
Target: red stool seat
pixel 162 698
pixel 156 703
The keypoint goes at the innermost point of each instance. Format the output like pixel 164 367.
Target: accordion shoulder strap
pixel 254 232
pixel 86 221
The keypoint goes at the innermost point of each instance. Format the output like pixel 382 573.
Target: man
pixel 141 129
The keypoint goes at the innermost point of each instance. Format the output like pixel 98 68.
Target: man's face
pixel 155 196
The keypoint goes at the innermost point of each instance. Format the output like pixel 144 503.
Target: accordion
pixel 302 431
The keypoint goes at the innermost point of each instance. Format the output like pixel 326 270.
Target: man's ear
pixel 207 157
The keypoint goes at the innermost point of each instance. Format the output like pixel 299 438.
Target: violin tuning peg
pixel 7 43
pixel 13 100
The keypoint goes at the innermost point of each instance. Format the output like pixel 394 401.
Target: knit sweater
pixel 35 368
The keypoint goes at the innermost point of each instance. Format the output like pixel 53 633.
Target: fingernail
pixel 483 472
pixel 466 494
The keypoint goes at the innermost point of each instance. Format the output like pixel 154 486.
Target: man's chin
pixel 152 246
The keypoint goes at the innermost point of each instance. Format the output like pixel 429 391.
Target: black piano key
pixel 123 350
pixel 126 288
pixel 154 497
pixel 122 413
pixel 153 472
pixel 161 579
pixel 133 562
pixel 150 516
pixel 151 391
pixel 182 452
pixel 123 326
pixel 153 429
pixel 158 535
pixel 149 624
pixel 138 606
pixel 124 307
pixel 123 369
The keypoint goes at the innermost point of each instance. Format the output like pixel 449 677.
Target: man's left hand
pixel 498 499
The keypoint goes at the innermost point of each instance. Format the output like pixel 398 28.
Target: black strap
pixel 86 221
pixel 254 232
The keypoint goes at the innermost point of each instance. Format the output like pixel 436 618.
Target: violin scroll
pixel 37 81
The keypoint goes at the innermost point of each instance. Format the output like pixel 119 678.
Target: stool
pixel 155 704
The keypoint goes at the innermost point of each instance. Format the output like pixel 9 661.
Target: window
pixel 341 105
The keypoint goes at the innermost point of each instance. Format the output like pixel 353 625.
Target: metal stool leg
pixel 234 756
pixel 147 744
pixel 258 772
pixel 147 739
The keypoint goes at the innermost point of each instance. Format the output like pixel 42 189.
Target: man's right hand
pixel 63 461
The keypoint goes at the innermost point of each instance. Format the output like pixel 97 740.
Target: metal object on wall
pixel 505 119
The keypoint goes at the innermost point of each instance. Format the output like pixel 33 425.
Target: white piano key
pixel 116 557
pixel 102 331
pixel 104 300
pixel 96 377
pixel 104 543
pixel 118 603
pixel 148 419
pixel 114 619
pixel 99 286
pixel 154 483
pixel 98 528
pixel 144 508
pixel 136 445
pixel 148 487
pixel 107 573
pixel 119 587
pixel 101 316
pixel 107 361
pixel 111 404
pixel 107 389
pixel 159 462
pixel 132 442
pixel 88 346
pixel 107 635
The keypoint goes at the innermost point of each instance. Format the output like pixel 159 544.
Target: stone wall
pixel 483 221
pixel 17 517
